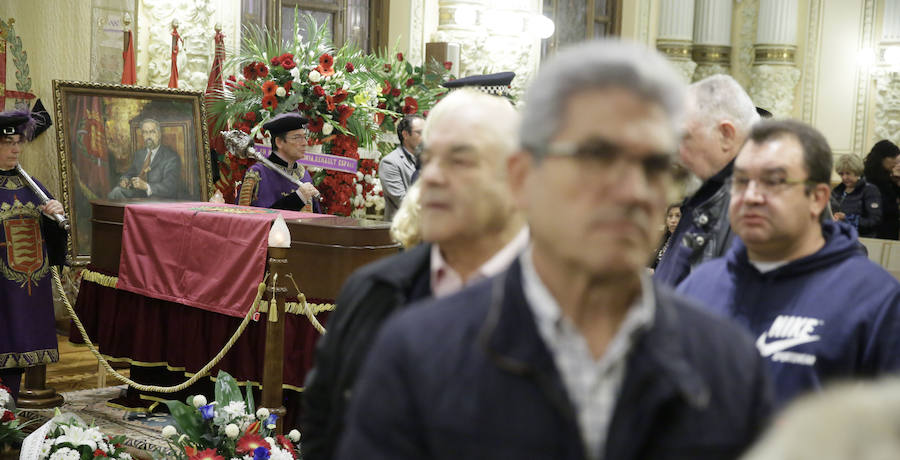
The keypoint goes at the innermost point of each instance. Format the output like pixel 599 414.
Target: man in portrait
pixel 155 169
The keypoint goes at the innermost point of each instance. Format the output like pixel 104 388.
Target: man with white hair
pixel 471 231
pixel 572 352
pixel 719 117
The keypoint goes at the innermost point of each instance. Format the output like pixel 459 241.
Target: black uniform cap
pixel 284 122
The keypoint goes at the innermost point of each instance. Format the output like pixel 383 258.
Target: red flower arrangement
pixel 400 57
pixel 349 67
pixel 249 442
pixel 448 65
pixel 326 65
pixel 410 105
pixel 208 454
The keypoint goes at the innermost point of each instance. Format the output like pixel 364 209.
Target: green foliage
pixel 227 389
pixel 187 419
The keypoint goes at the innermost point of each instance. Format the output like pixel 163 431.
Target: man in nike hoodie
pixel 820 310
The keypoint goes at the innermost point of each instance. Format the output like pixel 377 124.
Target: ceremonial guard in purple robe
pixel 30 243
pixel 266 188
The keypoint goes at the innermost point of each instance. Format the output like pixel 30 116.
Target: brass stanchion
pixel 273 364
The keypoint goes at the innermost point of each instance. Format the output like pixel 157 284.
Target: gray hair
pixel 596 65
pixel 151 120
pixel 721 97
pixel 494 116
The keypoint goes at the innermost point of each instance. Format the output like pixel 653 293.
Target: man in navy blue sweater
pixel 818 308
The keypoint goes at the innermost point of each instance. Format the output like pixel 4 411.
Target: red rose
pixel 387 67
pixel 288 84
pixel 268 88
pixel 340 95
pixel 275 61
pixel 318 91
pixel 270 102
pixel 287 56
pixel 448 65
pixel 7 416
pixel 303 107
pixel 382 105
pixel 315 125
pixel 250 116
pixel 410 82
pixel 395 92
pixel 100 453
pixel 288 63
pixel 387 88
pixel 400 57
pixel 326 61
pixel 348 67
pixel 410 105
pixel 262 70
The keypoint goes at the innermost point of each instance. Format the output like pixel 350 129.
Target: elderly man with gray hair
pixel 572 352
pixel 718 119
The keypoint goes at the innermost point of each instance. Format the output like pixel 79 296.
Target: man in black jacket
pixel 572 352
pixel 471 229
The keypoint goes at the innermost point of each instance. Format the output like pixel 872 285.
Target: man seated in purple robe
pixel 266 188
pixel 30 242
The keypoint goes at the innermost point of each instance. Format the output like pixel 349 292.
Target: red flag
pixel 173 78
pixel 129 75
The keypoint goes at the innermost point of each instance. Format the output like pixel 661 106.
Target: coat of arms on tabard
pixel 23 245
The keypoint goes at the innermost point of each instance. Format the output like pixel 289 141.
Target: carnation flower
pixel 410 82
pixel 387 67
pixel 395 92
pixel 348 67
pixel 400 57
pixel 314 76
pixel 318 91
pixel 65 454
pixel 8 416
pixel 232 431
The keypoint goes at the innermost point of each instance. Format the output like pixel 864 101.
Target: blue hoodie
pixel 830 315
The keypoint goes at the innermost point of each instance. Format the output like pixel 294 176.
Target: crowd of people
pixel 520 320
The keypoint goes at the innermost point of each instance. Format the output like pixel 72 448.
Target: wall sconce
pixel 542 26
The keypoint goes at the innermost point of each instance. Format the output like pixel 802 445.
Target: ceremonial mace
pixel 60 219
pixel 240 143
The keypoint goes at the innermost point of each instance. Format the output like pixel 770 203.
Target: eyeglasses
pixel 612 157
pixel 296 138
pixel 766 185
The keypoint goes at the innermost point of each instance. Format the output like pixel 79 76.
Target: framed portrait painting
pixel 127 143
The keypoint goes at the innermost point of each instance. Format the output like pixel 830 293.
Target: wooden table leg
pixel 35 394
pixel 273 361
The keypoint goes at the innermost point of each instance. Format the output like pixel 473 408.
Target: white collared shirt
pixel 152 156
pixel 445 280
pixel 593 385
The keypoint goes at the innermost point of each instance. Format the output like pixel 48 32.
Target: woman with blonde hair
pixel 406 227
pixel 854 200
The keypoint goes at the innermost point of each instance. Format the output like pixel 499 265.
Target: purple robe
pixel 27 328
pixel 265 188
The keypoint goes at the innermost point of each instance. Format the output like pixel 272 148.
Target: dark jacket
pixel 862 207
pixel 702 234
pixel 369 296
pixel 831 315
pixel 889 228
pixel 469 377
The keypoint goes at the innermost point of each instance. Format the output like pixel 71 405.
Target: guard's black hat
pixel 495 83
pixel 284 122
pixel 15 122
pixel 41 118
pixel 763 113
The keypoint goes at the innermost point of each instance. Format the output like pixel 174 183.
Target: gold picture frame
pixel 102 139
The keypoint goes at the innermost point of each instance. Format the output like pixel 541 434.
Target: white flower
pixel 262 413
pixel 78 436
pixel 168 431
pixel 4 398
pixel 358 188
pixel 359 175
pixel 278 453
pixel 198 401
pixel 235 409
pixel 232 431
pixel 295 72
pixel 271 426
pixel 280 91
pixel 314 76
pixel 125 456
pixel 327 128
pixel 65 454
pixel 45 448
pixel 370 179
pixel 294 435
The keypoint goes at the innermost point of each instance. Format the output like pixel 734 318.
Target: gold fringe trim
pixel 29 358
pixel 295 308
pixel 100 278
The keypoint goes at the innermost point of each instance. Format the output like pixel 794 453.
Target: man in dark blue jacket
pixel 571 353
pixel 819 309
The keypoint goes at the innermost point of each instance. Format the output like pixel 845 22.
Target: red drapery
pixel 129 75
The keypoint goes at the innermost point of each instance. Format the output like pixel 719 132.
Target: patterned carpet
pixel 142 430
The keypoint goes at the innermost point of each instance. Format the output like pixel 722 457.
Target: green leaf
pixel 188 419
pixel 227 389
pixel 251 405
